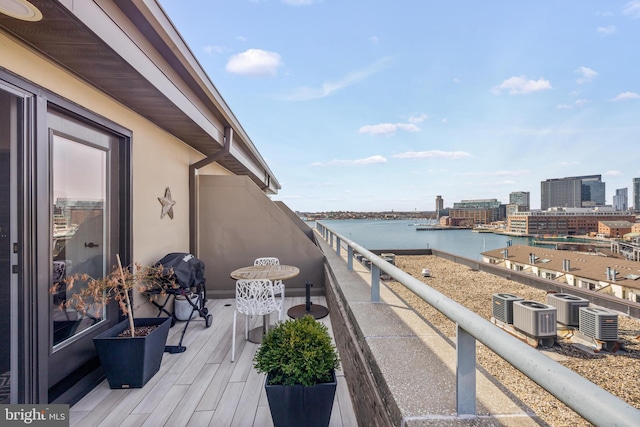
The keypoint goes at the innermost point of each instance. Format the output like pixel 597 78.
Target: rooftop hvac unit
pixel 535 318
pixel 599 323
pixel 389 257
pixel 568 307
pixel 503 307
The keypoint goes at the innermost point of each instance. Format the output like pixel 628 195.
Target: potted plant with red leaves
pixel 131 351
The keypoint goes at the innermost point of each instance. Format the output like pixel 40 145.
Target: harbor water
pixel 403 234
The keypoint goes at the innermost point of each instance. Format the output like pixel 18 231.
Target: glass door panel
pixel 79 180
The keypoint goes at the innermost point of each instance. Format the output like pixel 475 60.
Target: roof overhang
pixel 130 50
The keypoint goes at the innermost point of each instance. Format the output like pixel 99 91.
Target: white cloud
pixel 255 63
pixel 215 49
pixel 391 128
pixel 577 103
pixel 388 128
pixel 432 154
pixel 586 75
pixel 605 31
pixel 326 89
pixel 582 102
pixel 613 173
pixel 625 95
pixel 632 8
pixel 444 120
pixel 520 85
pixel 374 39
pixel 408 127
pixel 380 129
pixel 377 159
pixel 417 118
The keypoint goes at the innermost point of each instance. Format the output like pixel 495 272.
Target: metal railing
pixel 590 401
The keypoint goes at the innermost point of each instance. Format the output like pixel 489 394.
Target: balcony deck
pixel 201 386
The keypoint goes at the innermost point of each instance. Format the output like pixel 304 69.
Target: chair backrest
pixel 266 261
pixel 255 297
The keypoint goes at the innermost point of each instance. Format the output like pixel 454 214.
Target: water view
pixel 402 234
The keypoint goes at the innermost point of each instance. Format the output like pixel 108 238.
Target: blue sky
pixel 382 105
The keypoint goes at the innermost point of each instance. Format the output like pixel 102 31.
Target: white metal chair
pixel 278 286
pixel 253 298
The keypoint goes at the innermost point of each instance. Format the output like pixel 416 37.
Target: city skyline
pixel 382 106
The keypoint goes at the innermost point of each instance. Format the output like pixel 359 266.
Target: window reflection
pixel 79 194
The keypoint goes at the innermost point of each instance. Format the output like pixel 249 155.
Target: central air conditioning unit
pixel 503 307
pixel 568 307
pixel 389 257
pixel 599 323
pixel 535 318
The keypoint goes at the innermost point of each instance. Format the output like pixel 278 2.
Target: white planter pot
pixel 182 308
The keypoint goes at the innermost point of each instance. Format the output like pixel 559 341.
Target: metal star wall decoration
pixel 167 204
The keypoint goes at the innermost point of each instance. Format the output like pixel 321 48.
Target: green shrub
pixel 297 351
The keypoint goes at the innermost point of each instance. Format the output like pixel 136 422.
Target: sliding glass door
pixel 85 234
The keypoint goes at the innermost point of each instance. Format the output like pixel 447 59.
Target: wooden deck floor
pixel 201 387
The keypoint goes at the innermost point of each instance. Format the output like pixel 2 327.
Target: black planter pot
pixel 131 362
pixel 301 406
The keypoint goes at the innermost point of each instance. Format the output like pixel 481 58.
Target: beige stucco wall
pixel 238 223
pixel 159 159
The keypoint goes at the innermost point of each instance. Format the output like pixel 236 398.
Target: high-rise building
pixel 593 190
pixel 572 192
pixel 439 205
pixel 560 192
pixel 520 198
pixel 636 194
pixel 621 200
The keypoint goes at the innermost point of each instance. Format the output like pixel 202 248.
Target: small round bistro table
pixel 261 272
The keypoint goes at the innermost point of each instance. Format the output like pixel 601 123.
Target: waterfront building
pixel 611 276
pixel 636 194
pixel 614 228
pixel 572 192
pixel 512 208
pixel 564 221
pixel 620 200
pixel 481 211
pixel 520 198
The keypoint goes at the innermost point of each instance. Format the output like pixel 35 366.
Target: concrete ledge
pixel 399 369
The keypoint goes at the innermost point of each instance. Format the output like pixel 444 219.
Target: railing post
pixel 349 258
pixel 375 283
pixel 465 373
pixel 331 239
pixel 338 245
